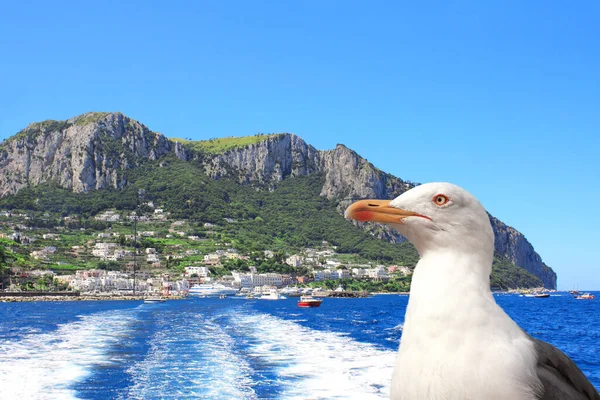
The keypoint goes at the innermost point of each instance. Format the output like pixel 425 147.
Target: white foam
pixel 192 359
pixel 315 364
pixel 225 356
pixel 44 366
pixel 398 327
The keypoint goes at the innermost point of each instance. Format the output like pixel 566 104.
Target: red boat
pixel 309 301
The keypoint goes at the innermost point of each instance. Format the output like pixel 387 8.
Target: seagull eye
pixel 440 199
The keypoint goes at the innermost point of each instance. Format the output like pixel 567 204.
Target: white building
pixel 269 279
pixel 294 261
pixel 378 272
pixel 322 275
pixel 253 280
pixel 200 271
pixel 401 269
pixel 43 253
pixel 212 259
pixel 340 274
pixel 104 250
pixel 242 280
pixel 152 258
pixel 359 272
pixel 108 216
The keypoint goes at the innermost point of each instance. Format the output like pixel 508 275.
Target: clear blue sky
pixel 502 98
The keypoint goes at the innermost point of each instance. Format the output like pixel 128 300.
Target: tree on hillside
pixel 6 260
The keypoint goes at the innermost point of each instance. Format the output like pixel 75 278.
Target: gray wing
pixel 560 377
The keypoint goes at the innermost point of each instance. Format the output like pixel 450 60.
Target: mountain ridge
pixel 94 150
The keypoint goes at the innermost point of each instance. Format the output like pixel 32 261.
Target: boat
pixel 212 289
pixel 536 295
pixel 291 291
pixel 272 294
pixel 575 293
pixel 154 300
pixel 309 302
pixel 585 296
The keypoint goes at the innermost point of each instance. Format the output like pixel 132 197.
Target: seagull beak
pixel 379 211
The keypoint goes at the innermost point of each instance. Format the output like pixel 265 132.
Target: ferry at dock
pixel 272 294
pixel 212 290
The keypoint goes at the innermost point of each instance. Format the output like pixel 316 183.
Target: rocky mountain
pixel 93 150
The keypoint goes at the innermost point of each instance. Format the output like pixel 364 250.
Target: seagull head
pixel 435 216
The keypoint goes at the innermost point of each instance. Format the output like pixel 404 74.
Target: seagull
pixel 457 343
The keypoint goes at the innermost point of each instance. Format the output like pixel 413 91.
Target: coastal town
pixel 67 257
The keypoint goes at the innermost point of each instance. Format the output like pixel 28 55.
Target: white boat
pixel 272 294
pixel 154 300
pixel 212 289
pixel 291 291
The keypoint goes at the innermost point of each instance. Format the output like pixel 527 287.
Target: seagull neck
pixel 447 274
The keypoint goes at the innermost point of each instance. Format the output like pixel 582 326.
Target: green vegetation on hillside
pixel 221 145
pixel 505 275
pixel 394 284
pixel 6 257
pixel 291 217
pixel 89 118
pixel 36 128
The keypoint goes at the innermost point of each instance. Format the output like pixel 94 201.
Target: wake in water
pixel 236 353
pixel 45 366
pixel 316 364
pixel 191 357
pixel 231 352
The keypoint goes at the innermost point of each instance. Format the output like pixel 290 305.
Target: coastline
pixel 386 293
pixel 80 297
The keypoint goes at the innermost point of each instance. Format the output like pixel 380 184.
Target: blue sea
pixel 240 349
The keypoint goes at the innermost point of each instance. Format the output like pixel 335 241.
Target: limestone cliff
pixel 87 152
pixel 512 244
pixel 93 150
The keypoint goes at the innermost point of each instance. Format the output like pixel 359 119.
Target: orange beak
pixel 378 211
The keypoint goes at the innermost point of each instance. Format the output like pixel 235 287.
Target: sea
pixel 232 348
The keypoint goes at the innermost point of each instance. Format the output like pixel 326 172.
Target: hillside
pixel 281 192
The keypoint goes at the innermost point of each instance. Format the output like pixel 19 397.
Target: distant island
pixel 228 209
